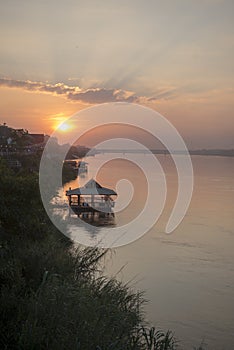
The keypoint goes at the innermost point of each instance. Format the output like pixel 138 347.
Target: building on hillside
pixel 5 133
pixel 37 139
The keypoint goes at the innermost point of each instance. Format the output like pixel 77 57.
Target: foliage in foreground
pixel 54 297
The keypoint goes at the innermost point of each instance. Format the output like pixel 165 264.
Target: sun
pixel 65 126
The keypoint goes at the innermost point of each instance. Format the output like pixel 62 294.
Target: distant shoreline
pixel 203 152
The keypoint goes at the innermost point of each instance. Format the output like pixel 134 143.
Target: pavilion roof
pixel 92 187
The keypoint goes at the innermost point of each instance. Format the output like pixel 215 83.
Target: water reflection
pixel 76 223
pixel 98 219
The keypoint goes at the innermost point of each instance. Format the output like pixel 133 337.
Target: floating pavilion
pixel 92 197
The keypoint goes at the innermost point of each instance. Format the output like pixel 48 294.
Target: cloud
pixel 189 93
pixel 89 96
pixel 92 96
pixel 59 88
pixel 102 95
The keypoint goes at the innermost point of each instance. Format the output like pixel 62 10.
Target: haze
pixel 176 57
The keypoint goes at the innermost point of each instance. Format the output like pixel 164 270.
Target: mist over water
pixel 188 275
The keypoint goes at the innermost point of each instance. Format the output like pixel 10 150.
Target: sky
pixel 174 56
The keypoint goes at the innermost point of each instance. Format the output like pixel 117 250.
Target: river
pixel 188 275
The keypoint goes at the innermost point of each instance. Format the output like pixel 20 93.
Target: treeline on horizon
pixel 202 152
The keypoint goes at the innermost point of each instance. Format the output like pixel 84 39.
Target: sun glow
pixel 64 126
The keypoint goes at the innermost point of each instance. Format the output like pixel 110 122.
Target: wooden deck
pixel 82 209
pixel 77 209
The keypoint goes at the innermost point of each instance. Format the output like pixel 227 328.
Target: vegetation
pixel 13 139
pixel 53 296
pixel 69 173
pixel 77 152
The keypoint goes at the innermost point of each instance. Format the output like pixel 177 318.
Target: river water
pixel 188 275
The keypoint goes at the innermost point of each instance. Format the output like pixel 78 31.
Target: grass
pixel 52 298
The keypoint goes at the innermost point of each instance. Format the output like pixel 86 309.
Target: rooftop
pixel 92 187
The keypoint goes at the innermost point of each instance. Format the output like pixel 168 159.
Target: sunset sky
pixel 175 56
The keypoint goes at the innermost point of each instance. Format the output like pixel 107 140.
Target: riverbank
pixel 55 297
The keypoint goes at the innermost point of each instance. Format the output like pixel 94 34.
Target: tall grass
pixel 54 299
